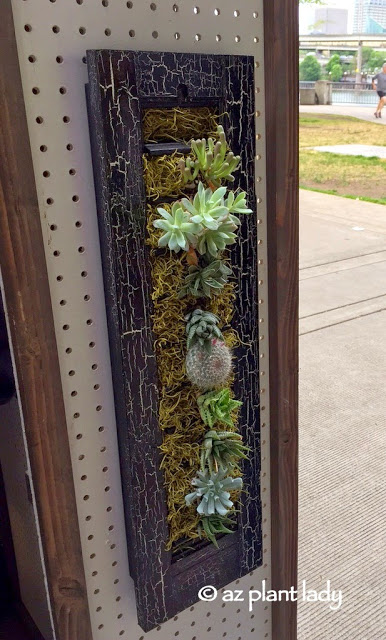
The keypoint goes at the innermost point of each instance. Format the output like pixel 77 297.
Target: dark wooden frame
pixel 140 80
pixel 27 296
pixel 281 101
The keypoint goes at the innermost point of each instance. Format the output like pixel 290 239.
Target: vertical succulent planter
pixel 161 426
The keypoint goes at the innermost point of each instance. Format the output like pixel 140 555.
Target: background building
pixel 370 16
pixel 331 21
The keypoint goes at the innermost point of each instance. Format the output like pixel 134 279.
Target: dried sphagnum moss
pixel 179 417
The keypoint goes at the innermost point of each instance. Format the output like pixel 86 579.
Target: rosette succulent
pixel 212 491
pixel 179 230
pixel 211 242
pixel 201 328
pixel 205 281
pixel 222 450
pixel 208 208
pixel 211 160
pixel 217 406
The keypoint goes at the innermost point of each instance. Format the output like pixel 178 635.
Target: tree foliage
pixel 336 72
pixel 335 59
pixel 310 69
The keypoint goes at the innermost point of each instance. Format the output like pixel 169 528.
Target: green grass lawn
pixel 350 176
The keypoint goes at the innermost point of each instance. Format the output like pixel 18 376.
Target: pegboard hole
pixel 39 120
pixel 57 254
pixel 119 616
pixel 132 33
pixel 75 198
pixel 217 12
pixel 98 408
pixel 255 14
pixel 74 393
pixel 94 573
pixel 83 274
pixel 50 201
pixel 102 449
pixel 82 31
pixel 129 4
pixel 66 327
pixel 96 387
pixel 155 34
pixel 105 3
pixel 236 13
pixel 122 632
pixel 197 37
pixel 116 581
pixel 84 59
pixel 54 227
pixel 59 59
pixel 111 527
pixel 255 39
pixel 101 625
pixel 27 27
pixel 86 497
pixel 66 119
pixel 46 174
pixel 43 148
pixel 109 509
pixel 72 172
pixel 69 350
pixel 72 372
pixel 177 36
pixel 69 147
pixel 59 278
pixel 153 6
pixel 55 28
pixel 32 58
pixel 105 469
pixel 79 1
pixel 175 9
pixel 218 38
pixel 107 32
pixel 196 10
pixel 62 90
pixel 106 490
pixel 86 298
pixel 118 599
pixel 114 564
pixel 237 38
pixel 101 429
pixel 81 457
pixel 85 478
pixel 35 91
pixel 81 249
pixel 94 366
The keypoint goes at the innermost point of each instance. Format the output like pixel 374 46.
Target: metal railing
pixel 348 92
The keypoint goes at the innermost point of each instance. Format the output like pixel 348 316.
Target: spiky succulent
pixel 212 491
pixel 217 406
pixel 222 450
pixel 209 369
pixel 179 230
pixel 237 203
pixel 215 525
pixel 201 328
pixel 205 281
pixel 211 159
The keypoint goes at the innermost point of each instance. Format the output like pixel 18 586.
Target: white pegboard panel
pixel 52 38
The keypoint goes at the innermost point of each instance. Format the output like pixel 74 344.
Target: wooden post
pixel 27 295
pixel 281 82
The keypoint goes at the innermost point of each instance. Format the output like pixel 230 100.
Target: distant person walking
pixel 380 87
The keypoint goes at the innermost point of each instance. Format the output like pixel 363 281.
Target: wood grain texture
pixel 121 84
pixel 29 309
pixel 281 86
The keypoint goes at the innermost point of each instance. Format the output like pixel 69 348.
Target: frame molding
pixel 281 102
pixel 32 334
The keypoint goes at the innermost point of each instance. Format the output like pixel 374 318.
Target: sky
pixel 307 13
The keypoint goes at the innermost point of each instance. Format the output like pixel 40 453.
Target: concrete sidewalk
pixel 363 112
pixel 342 415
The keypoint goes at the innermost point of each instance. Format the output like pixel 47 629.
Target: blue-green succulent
pixel 212 492
pixel 179 231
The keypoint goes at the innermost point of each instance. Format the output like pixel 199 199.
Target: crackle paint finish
pixel 121 84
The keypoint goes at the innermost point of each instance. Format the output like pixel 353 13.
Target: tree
pixel 376 60
pixel 310 69
pixel 336 72
pixel 335 59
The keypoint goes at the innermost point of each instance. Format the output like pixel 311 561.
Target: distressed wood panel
pixel 120 84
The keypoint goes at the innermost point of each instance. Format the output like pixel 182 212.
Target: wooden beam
pixel 281 82
pixel 27 295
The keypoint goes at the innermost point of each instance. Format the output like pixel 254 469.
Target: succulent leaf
pixel 211 159
pixel 213 241
pixel 222 450
pixel 214 525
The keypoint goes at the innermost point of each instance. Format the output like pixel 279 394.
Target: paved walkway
pixel 342 415
pixel 367 150
pixel 362 112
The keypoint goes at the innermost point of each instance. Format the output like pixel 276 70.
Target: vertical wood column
pixel 281 86
pixel 27 295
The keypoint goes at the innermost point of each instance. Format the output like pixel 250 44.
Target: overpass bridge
pixel 326 43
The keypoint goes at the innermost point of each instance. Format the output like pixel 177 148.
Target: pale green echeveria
pixel 212 490
pixel 213 241
pixel 207 208
pixel 237 203
pixel 179 230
